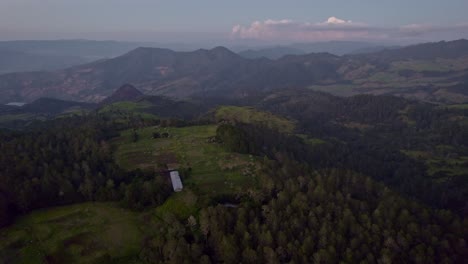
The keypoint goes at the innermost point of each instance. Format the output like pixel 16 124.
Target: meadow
pixel 80 233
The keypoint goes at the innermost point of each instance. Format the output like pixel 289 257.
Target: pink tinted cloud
pixel 332 29
pixel 340 29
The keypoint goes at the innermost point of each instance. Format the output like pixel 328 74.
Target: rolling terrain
pixel 295 156
pixel 380 170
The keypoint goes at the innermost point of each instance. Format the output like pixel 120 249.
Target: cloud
pixel 332 29
pixel 336 21
pixel 340 29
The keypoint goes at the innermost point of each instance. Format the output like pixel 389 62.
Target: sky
pixel 275 21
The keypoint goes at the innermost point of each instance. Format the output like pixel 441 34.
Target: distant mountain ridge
pixel 221 72
pixel 51 55
pixel 16 61
pixel 443 49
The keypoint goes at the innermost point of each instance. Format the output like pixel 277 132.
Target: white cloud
pixel 340 29
pixel 332 29
pixel 336 21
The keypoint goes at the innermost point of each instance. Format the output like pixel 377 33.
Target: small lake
pixel 16 104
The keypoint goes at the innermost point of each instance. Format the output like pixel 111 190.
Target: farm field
pixel 206 167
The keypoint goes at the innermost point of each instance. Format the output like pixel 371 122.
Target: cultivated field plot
pixel 209 168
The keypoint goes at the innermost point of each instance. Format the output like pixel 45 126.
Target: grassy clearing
pixel 81 233
pixel 310 140
pixel 182 205
pixel 250 115
pixel 450 166
pixel 213 171
pixel 457 106
pixel 438 165
pixel 336 89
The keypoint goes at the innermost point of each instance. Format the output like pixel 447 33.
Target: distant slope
pixel 334 47
pixel 425 51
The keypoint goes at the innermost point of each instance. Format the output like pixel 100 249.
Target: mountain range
pixel 436 72
pixel 49 55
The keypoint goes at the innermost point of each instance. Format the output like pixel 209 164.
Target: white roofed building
pixel 176 181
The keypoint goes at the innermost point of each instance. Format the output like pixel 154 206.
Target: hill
pixel 126 92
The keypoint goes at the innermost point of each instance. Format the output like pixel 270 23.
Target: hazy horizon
pixel 210 22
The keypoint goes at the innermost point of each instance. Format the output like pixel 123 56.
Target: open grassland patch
pixel 438 165
pixel 81 233
pixel 182 205
pixel 457 106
